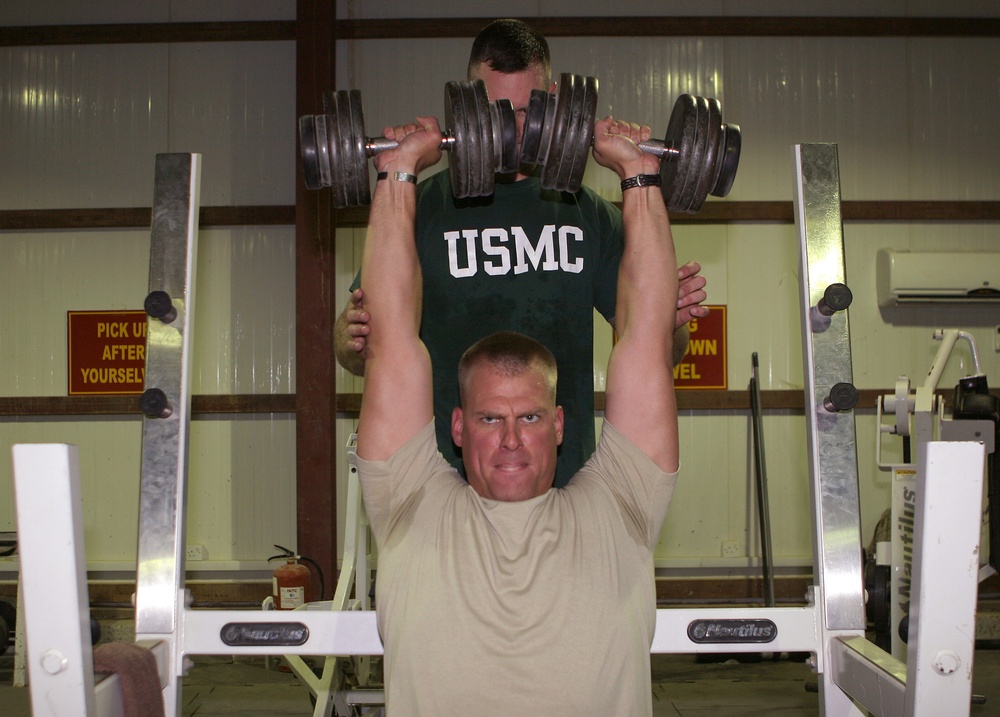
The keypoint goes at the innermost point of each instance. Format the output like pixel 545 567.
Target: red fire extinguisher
pixel 291 582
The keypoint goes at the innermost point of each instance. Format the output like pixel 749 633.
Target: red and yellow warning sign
pixel 704 365
pixel 107 352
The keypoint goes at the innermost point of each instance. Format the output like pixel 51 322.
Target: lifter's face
pixel 516 87
pixel 508 429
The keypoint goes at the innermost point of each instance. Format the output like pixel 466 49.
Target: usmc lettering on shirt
pixel 500 251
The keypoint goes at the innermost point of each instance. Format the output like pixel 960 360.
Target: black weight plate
pixel 730 160
pixel 329 108
pixel 339 181
pixel 487 154
pixel 561 127
pixel 322 150
pixel 345 172
pixel 680 135
pixel 534 122
pixel 356 141
pixel 504 136
pixel 469 119
pixel 705 172
pixel 547 124
pixel 586 103
pixel 329 102
pixel 696 163
pixel 307 149
pixel 335 151
pixel 458 162
pixel 571 101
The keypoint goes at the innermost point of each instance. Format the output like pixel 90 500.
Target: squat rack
pixel 853 673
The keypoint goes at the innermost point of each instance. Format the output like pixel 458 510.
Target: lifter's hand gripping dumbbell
pixel 698 157
pixel 481 136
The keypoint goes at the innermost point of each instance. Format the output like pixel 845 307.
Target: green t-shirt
pixel 525 259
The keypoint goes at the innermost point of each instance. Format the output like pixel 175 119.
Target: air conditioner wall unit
pixel 911 277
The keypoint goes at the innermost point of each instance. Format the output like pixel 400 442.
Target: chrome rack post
pixel 166 405
pixel 830 397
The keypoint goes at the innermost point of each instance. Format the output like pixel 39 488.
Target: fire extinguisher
pixel 291 582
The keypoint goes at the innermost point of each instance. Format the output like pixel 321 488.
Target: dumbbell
pixel 481 136
pixel 698 157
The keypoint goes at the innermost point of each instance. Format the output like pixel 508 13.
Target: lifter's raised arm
pixel 640 400
pixel 397 401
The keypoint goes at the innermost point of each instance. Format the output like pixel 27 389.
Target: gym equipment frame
pixel 853 673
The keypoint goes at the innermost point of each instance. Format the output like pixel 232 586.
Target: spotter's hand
pixel 690 294
pixel 357 322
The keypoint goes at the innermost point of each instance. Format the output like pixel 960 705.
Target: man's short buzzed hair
pixel 511 354
pixel 510 46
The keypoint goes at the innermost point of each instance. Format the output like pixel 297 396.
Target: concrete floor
pixel 682 687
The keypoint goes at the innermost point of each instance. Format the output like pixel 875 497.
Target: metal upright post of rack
pixel 830 397
pixel 166 404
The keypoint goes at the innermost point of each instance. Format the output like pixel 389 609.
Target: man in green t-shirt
pixel 524 259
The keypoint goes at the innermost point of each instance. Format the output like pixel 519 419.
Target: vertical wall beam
pixel 316 307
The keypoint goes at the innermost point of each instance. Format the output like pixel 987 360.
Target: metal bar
pixel 792 629
pixel 163 482
pixel 945 577
pixel 833 461
pixel 56 612
pixel 873 677
pixel 328 632
pixel 760 477
pixel 355 632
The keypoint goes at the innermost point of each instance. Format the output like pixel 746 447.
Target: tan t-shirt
pixel 545 606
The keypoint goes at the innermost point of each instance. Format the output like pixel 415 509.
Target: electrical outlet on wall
pixel 196 552
pixel 996 339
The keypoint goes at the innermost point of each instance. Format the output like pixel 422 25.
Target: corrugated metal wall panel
pixel 235 104
pixel 81 125
pixel 913 118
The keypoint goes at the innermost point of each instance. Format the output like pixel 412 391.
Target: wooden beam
pixel 349 404
pixel 713 212
pixel 316 308
pixel 430 28
pixel 158 32
pixel 201 405
pixel 673 26
pixel 136 217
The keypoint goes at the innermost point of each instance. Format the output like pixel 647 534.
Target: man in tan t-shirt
pixel 503 595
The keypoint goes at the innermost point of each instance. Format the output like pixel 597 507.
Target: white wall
pixel 914 119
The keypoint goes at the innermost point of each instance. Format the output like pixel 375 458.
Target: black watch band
pixel 642 180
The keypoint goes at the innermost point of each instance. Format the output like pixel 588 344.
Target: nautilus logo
pixel 735 631
pixel 264 633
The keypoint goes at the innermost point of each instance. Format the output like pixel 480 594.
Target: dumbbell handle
pixel 658 147
pixel 377 145
pixel 661 149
